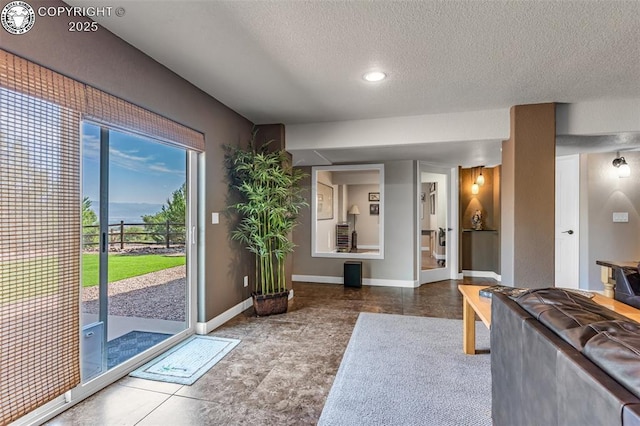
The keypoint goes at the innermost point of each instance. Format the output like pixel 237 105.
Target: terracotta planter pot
pixel 270 304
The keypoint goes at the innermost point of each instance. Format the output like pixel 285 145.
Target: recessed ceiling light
pixel 374 76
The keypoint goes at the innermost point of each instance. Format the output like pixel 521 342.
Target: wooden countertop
pixel 631 264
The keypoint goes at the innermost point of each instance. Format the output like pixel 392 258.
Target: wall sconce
pixel 355 211
pixel 620 163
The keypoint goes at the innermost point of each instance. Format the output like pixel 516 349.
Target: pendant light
pixel 474 187
pixel 480 179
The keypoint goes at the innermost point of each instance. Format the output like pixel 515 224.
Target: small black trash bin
pixel 352 274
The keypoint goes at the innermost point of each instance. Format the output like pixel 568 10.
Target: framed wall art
pixel 324 202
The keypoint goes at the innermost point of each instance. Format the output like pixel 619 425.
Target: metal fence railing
pixel 165 234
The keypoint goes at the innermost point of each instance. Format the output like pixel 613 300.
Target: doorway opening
pixel 434 224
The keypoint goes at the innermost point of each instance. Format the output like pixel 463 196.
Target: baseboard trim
pixel 323 279
pixel 209 326
pixel 481 274
pixel 212 324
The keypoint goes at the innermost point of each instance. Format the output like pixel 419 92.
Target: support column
pixel 528 198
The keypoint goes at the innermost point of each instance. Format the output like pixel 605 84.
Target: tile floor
pixel 281 372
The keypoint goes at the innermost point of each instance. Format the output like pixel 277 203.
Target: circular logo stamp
pixel 17 17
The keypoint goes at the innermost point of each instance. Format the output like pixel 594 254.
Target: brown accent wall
pixel 480 250
pixel 528 197
pixel 274 135
pixel 104 61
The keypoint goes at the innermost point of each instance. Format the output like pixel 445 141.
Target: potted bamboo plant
pixel 270 199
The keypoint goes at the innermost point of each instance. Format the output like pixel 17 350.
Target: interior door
pixel 434 224
pixel 567 239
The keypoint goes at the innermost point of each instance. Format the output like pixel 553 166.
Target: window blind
pixel 40 223
pixel 39 241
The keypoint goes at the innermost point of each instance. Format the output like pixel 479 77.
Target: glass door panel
pixel 139 198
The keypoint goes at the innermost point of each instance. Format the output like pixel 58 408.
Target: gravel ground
pixel 158 295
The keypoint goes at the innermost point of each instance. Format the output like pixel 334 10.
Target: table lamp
pixel 355 211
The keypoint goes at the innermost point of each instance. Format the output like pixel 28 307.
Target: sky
pixel 141 170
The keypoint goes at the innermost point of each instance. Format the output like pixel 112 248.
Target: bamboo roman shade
pixel 39 238
pixel 109 109
pixel 40 223
pixel 24 76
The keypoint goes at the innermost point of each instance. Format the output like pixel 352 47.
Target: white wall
pixel 452 127
pixel 598 117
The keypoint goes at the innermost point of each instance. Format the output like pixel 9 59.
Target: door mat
pixel 188 361
pixel 131 344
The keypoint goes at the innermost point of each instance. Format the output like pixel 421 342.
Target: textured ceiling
pixel 302 61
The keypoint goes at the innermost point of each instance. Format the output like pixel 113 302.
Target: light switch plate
pixel 215 218
pixel 620 216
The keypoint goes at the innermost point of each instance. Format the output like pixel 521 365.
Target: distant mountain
pixel 128 212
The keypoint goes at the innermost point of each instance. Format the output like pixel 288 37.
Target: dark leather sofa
pixel 558 358
pixel 627 288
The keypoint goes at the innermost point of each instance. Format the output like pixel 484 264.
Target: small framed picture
pixel 374 196
pixel 374 209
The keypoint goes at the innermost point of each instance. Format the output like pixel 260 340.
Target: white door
pixel 567 221
pixel 434 224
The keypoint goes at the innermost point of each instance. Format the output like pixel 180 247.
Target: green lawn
pixel 121 267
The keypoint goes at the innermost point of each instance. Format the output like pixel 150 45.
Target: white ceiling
pixel 302 61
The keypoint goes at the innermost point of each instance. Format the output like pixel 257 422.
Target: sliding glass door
pixel 135 227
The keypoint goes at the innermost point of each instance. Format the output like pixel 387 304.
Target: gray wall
pixel 607 194
pixel 104 61
pixel 399 234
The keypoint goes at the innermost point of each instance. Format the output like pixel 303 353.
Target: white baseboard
pixel 209 326
pixel 212 324
pixel 323 279
pixel 481 274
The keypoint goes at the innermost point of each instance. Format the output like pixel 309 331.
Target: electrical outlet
pixel 215 218
pixel 246 281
